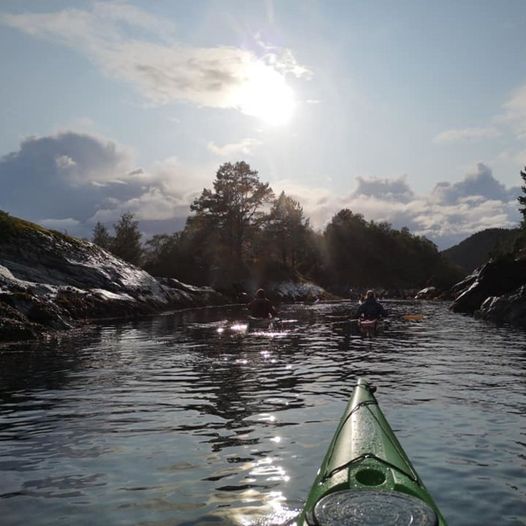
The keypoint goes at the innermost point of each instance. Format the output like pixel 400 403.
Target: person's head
pixel 370 294
pixel 260 293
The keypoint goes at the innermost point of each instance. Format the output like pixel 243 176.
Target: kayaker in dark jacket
pixel 261 307
pixel 371 309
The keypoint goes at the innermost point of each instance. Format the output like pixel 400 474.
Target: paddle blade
pixel 413 317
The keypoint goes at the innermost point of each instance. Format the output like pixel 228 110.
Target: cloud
pixel 386 189
pixel 466 135
pixel 245 146
pixel 68 181
pixel 70 171
pixel 131 45
pixel 152 204
pixel 479 182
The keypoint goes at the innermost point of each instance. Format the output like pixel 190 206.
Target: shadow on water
pixel 193 418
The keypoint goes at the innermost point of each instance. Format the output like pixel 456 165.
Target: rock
pixel 427 294
pixel 493 279
pixel 509 308
pixel 15 330
pixel 14 325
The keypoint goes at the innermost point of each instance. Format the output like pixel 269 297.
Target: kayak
pixel 366 478
pixel 369 327
pixel 259 323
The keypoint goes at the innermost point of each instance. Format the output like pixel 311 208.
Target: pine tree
pixel 127 242
pixel 234 207
pixel 287 229
pixel 101 236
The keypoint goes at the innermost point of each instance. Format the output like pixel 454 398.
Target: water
pixel 191 419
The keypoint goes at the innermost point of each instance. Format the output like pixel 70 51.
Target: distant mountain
pixel 475 250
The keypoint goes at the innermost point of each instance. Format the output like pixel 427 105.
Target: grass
pixel 13 227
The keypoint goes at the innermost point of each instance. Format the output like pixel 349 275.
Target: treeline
pixel 240 234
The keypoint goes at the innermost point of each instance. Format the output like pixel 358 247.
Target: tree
pixel 232 211
pixel 127 241
pixel 101 236
pixel 522 199
pixel 346 243
pixel 363 254
pixel 286 230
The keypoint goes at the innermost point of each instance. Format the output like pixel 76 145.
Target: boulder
pixel 495 278
pixel 509 308
pixel 428 293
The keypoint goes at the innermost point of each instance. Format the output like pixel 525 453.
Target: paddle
pixel 346 320
pixel 413 317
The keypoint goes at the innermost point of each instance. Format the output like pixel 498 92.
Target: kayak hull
pixel 259 323
pixel 370 327
pixel 366 463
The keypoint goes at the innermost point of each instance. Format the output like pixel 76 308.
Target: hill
pixel 50 281
pixel 475 250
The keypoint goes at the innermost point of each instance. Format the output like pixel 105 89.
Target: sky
pixel 409 112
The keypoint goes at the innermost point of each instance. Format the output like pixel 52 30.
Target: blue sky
pixel 411 112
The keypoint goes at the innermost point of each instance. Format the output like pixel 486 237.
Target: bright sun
pixel 266 95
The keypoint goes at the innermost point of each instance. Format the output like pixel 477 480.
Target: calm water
pixel 190 419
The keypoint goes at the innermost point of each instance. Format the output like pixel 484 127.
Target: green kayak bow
pixel 366 478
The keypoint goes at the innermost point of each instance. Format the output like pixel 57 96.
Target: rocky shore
pixel 50 281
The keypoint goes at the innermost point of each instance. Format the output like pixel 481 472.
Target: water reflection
pixel 195 418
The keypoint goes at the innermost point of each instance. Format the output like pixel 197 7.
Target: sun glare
pixel 266 95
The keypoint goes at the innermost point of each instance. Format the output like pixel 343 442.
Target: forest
pixel 239 234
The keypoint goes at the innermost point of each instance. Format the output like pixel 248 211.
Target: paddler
pixel 371 308
pixel 261 306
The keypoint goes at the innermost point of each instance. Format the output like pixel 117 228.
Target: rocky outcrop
pixel 495 292
pixel 509 308
pixel 429 293
pixel 50 282
pixel 493 279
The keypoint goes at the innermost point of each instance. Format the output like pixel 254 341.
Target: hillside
pixel 475 250
pixel 50 281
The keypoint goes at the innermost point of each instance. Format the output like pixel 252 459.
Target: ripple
pixel 170 419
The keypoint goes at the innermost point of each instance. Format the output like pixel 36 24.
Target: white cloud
pixel 152 204
pixel 388 189
pixel 160 68
pixel 245 146
pixel 64 162
pixel 466 135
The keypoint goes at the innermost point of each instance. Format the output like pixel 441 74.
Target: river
pixel 193 419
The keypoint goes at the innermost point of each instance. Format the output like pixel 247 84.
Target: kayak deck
pixel 366 477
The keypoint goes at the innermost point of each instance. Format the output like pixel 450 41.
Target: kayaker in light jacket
pixel 261 307
pixel 371 309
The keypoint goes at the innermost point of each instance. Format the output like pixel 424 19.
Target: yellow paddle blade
pixel 413 317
